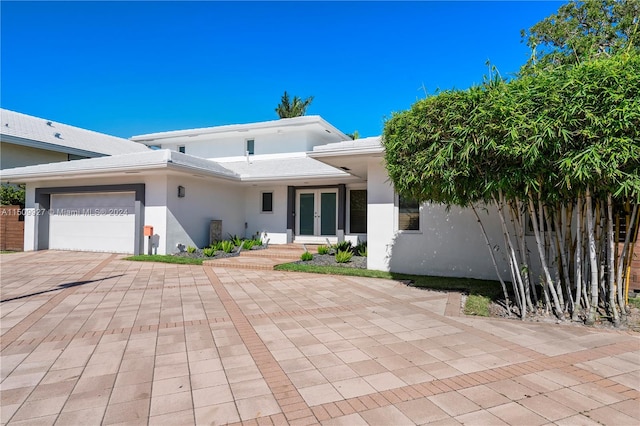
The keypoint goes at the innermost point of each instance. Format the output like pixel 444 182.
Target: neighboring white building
pixel 26 140
pixel 288 180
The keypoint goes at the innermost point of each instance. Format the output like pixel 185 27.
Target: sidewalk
pixel 88 338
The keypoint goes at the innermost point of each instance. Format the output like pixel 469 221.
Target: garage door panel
pixel 92 222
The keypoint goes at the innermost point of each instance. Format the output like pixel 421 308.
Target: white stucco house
pixel 291 180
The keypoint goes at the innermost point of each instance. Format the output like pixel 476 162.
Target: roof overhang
pixel 311 122
pixel 350 156
pixel 16 140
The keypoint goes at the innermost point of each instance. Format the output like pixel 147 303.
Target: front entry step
pixel 261 259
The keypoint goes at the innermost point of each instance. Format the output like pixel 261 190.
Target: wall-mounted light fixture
pixel 180 191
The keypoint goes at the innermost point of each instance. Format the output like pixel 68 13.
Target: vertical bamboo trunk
pixel 493 260
pixel 547 274
pixel 593 261
pixel 624 260
pixel 526 276
pixel 564 264
pixel 554 253
pixel 578 257
pixel 635 218
pixel 611 262
pixel 515 270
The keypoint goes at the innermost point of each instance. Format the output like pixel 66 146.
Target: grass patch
pixel 634 301
pixel 166 259
pixel 8 251
pixel 481 292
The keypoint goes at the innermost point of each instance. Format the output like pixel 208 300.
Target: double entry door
pixel 317 212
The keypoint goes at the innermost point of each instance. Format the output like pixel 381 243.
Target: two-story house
pixel 289 180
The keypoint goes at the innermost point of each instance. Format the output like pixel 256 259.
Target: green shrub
pixel 257 242
pixel 191 249
pixel 323 250
pixel 343 246
pixel 247 244
pixel 217 246
pixel 306 256
pixel 209 252
pixel 12 195
pixel 227 246
pixel 236 240
pixel 343 256
pixel 361 249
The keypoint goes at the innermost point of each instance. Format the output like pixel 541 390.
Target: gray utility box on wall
pixel 215 231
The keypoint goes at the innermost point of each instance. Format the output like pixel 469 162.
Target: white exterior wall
pixel 449 243
pixel 12 155
pixel 29 218
pixel 189 218
pixel 155 212
pixel 380 216
pixel 213 148
pixel 274 224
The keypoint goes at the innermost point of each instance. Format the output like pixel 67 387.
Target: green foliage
pixel 236 240
pixel 191 249
pixel 306 256
pixel 12 195
pixel 582 31
pixel 361 249
pixel 477 305
pixel 227 246
pixel 247 244
pixel 292 108
pixel 209 252
pixel 323 250
pixel 343 246
pixel 217 246
pixel 343 256
pixel 553 133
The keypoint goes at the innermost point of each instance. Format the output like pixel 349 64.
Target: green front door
pixel 307 213
pixel 328 210
pixel 317 212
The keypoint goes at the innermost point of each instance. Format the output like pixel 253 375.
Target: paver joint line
pixel 23 326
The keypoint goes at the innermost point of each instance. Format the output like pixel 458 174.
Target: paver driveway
pixel 88 338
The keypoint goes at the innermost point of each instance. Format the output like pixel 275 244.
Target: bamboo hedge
pixel 557 152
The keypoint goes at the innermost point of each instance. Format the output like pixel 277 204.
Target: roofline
pixel 346 152
pixel 283 122
pixel 16 140
pixel 37 176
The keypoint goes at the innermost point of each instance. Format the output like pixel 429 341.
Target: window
pixel 250 146
pixel 181 149
pixel 155 147
pixel 358 211
pixel 408 214
pixel 267 202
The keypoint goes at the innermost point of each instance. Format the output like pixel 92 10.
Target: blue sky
pixel 128 68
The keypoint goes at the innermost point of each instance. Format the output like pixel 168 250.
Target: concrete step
pixel 239 262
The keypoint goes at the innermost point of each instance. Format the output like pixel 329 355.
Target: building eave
pixel 48 146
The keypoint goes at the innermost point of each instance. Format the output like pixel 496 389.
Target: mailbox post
pixel 148 232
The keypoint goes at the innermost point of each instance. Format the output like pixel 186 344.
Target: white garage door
pixel 93 222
